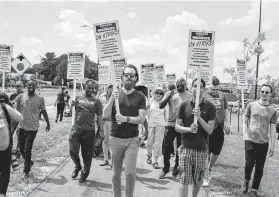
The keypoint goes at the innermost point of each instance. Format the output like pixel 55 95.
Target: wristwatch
pixel 128 119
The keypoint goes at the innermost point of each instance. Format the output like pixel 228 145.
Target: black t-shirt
pixel 199 140
pixel 86 108
pixel 129 105
pixel 60 97
pixel 67 98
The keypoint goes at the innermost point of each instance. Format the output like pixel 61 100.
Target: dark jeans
pixel 168 147
pixel 5 167
pixel 255 154
pixel 26 140
pixel 85 141
pixel 60 110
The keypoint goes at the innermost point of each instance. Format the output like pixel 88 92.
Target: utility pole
pixel 258 56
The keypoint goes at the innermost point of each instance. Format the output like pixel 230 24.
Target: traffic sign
pixel 20 64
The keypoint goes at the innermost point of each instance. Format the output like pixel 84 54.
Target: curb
pixel 44 181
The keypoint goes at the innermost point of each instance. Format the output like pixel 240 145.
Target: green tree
pixel 49 63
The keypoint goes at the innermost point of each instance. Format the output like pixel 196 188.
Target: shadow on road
pixel 148 181
pixel 227 166
pixel 61 181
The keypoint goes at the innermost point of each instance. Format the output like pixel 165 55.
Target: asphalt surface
pixel 60 183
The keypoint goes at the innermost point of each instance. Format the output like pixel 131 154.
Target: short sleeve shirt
pixel 220 102
pixel 129 105
pixel 199 140
pixel 86 109
pixel 30 108
pixel 261 117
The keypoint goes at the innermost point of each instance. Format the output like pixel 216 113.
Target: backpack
pixel 8 118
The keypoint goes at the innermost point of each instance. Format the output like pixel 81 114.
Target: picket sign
pixel 197 101
pixel 114 86
pixel 243 115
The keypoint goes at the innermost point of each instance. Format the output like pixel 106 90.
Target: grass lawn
pixel 49 151
pixel 228 173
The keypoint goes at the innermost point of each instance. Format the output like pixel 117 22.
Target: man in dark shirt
pixel 83 131
pixel 60 104
pixel 194 150
pixel 124 132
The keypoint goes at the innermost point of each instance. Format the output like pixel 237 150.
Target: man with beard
pixel 222 123
pixel 83 131
pixel 173 98
pixel 194 149
pixel 124 133
pixel 261 119
pixel 29 105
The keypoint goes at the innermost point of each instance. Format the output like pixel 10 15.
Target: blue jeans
pixel 124 150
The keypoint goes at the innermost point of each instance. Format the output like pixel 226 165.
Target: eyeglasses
pixel 195 86
pixel 215 89
pixel 159 93
pixel 131 75
pixel 266 92
pixel 18 86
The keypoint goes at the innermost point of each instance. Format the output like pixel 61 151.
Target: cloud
pixel 69 25
pixel 269 16
pixel 30 41
pixel 131 15
pixel 5 23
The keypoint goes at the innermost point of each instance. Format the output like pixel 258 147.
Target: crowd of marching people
pixel 125 118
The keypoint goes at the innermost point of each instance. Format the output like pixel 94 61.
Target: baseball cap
pixel 159 90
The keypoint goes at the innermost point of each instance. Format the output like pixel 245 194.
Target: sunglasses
pixel 159 93
pixel 129 75
pixel 18 86
pixel 266 92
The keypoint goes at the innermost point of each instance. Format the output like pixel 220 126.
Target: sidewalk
pixel 60 183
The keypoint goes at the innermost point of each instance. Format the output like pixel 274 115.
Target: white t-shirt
pixel 156 115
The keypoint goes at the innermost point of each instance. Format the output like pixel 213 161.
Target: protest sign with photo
pixel 171 78
pixel 147 74
pixel 108 40
pixel 241 74
pixel 104 72
pixel 160 74
pixel 6 52
pixel 76 62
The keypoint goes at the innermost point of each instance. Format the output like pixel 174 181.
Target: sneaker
pixel 55 121
pixel 162 175
pixel 244 186
pixel 104 163
pixel 83 176
pixel 253 193
pixel 175 172
pixel 25 176
pixel 205 182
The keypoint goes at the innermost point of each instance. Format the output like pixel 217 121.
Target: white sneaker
pixel 205 182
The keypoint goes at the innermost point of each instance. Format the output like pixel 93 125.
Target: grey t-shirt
pixel 30 107
pixel 173 106
pixel 260 118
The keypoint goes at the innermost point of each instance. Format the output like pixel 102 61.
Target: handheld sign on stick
pixel 242 82
pixel 74 99
pixel 197 101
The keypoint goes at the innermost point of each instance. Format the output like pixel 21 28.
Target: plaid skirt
pixel 192 164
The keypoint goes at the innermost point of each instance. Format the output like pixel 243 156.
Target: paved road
pixel 60 183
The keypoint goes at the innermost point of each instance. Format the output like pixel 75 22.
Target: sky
pixel 151 32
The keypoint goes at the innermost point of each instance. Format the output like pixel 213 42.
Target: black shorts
pixel 216 140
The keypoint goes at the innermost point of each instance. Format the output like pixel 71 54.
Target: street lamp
pixel 98 63
pixel 258 55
